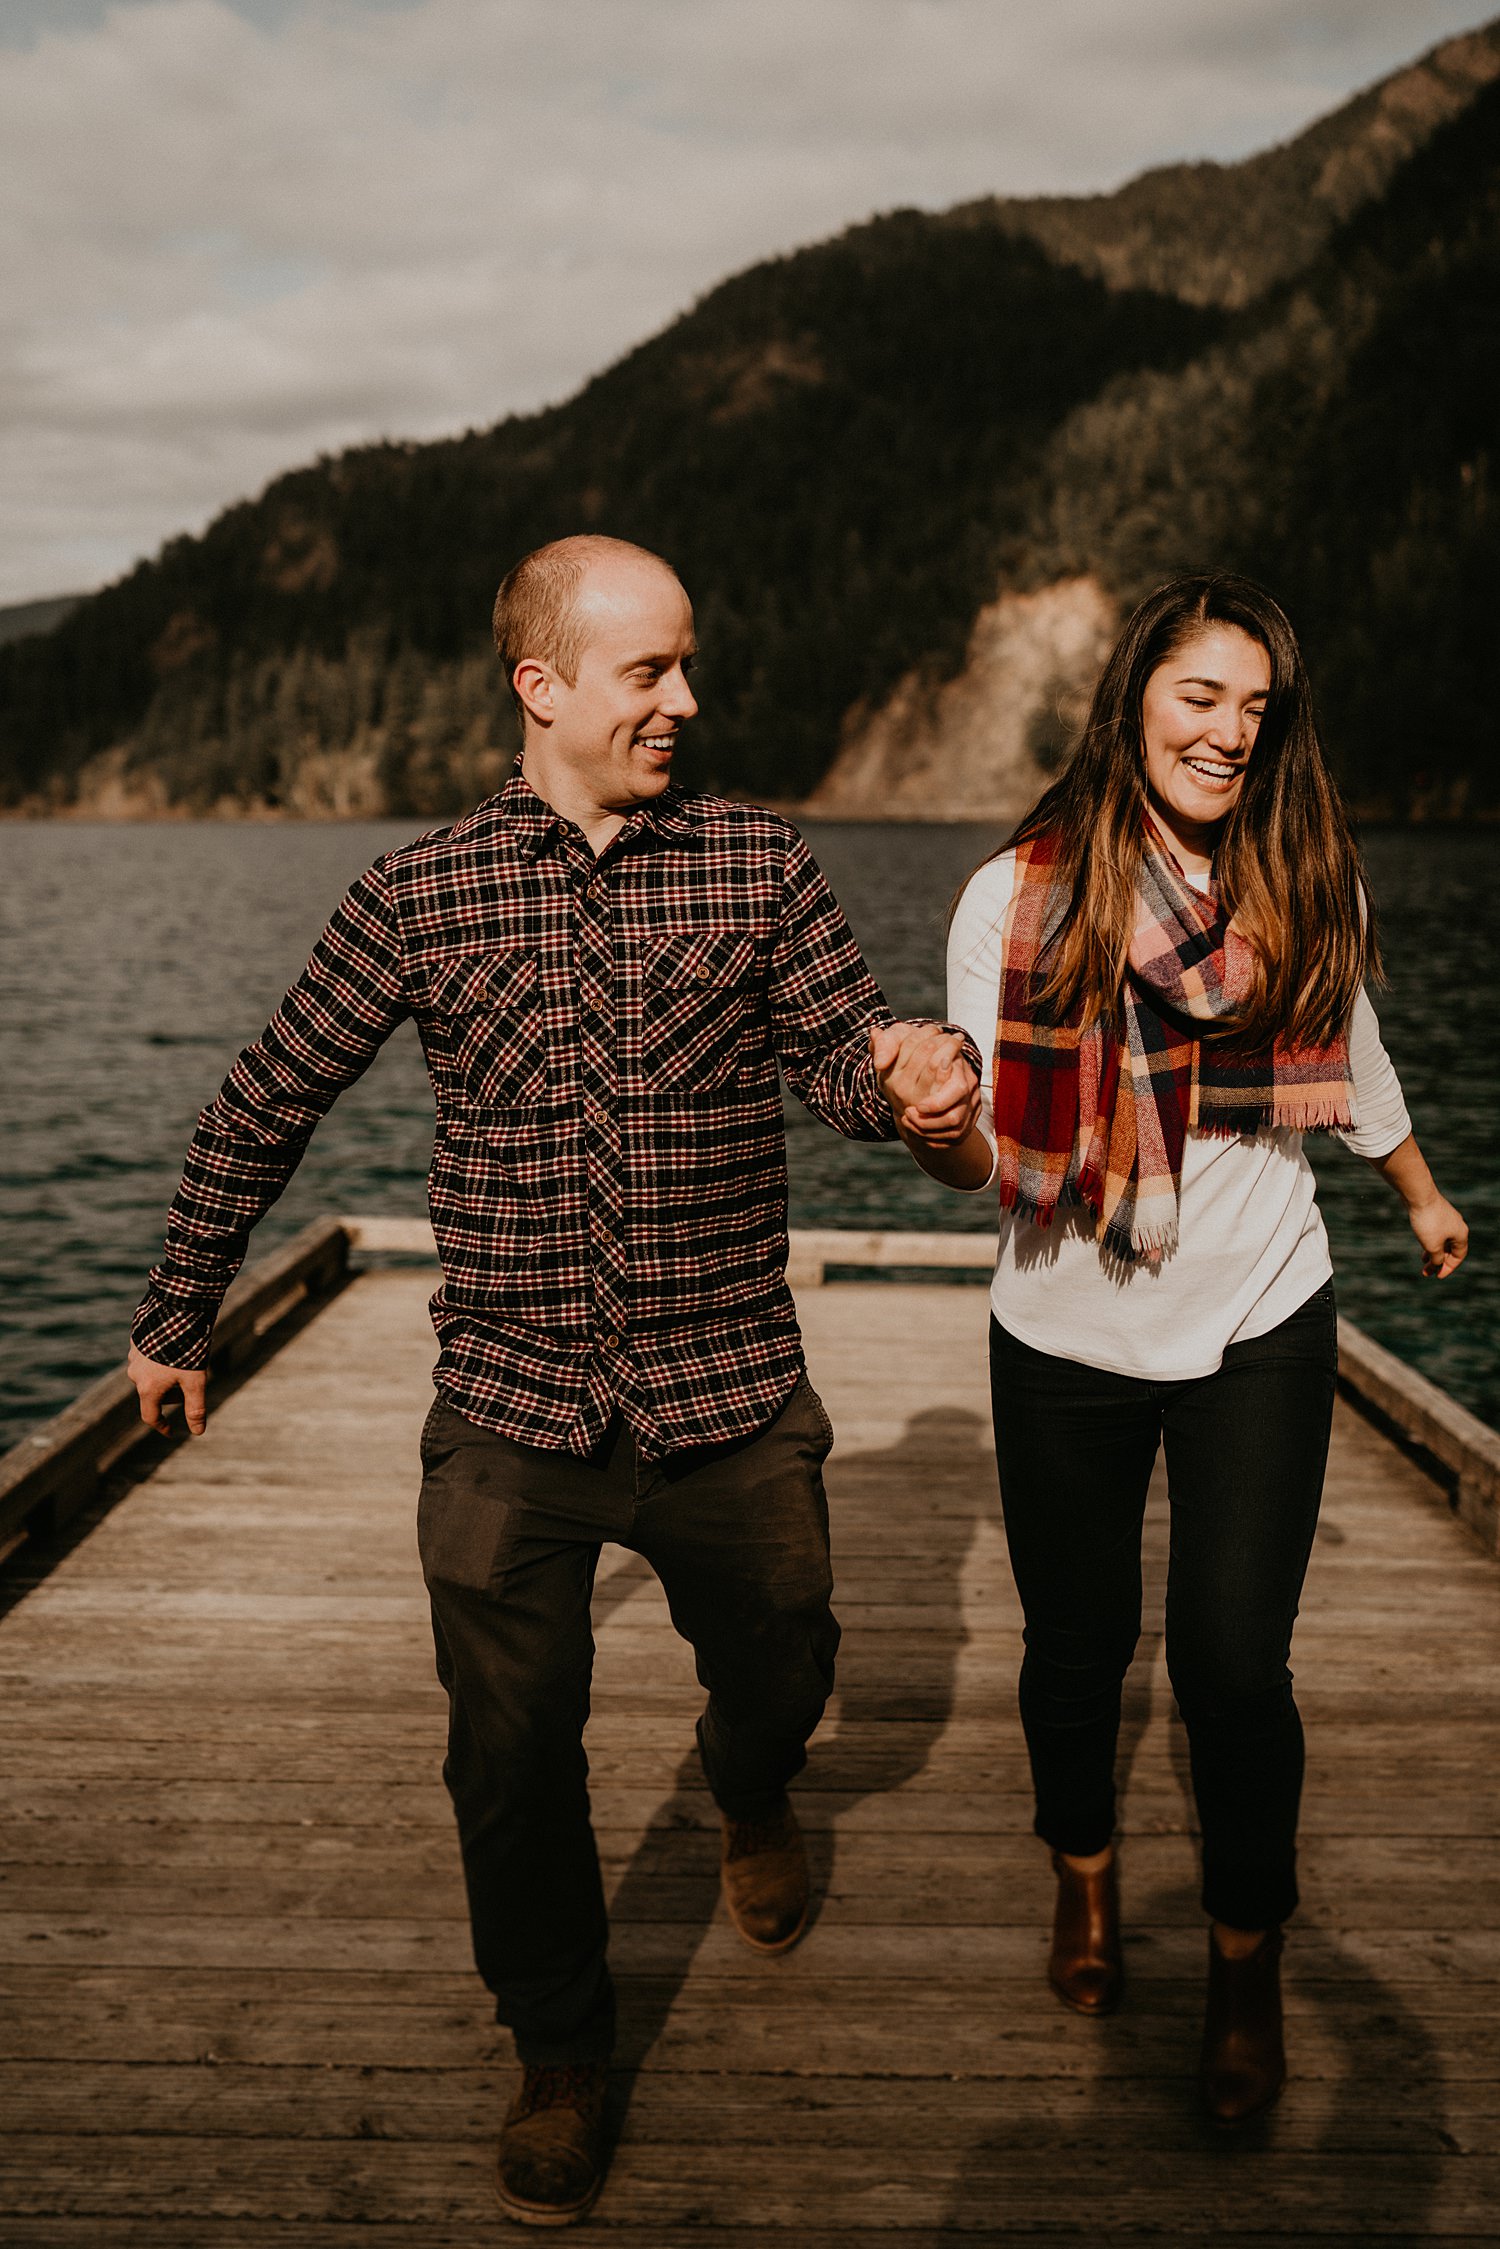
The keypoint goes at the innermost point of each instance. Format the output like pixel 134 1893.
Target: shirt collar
pixel 531 824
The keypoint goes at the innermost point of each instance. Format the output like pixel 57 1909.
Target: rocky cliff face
pixel 982 745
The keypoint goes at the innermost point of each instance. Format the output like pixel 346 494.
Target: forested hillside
pixel 852 454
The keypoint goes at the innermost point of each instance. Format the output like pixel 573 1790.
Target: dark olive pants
pixel 510 1539
pixel 1246 1449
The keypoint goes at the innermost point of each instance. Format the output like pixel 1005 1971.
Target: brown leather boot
pixel 1244 2061
pixel 764 1870
pixel 1085 1968
pixel 552 2160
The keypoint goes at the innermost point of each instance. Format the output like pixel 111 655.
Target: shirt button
pixel 703 973
pixel 609 1343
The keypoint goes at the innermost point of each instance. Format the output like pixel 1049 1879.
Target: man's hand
pixel 154 1383
pixel 932 1089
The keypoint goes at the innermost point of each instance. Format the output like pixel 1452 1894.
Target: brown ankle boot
pixel 552 2157
pixel 1244 2061
pixel 764 1870
pixel 1085 1969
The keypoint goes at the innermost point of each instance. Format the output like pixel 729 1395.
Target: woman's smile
pixel 1200 714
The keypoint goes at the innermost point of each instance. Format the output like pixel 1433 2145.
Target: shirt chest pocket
pixel 697 1000
pixel 489 1007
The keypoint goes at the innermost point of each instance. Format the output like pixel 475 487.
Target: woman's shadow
pixel 1367 2137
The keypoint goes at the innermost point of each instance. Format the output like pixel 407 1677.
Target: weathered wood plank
pixel 732 2108
pixel 212 2233
pixel 373 2181
pixel 1372 1801
pixel 1160 1950
pixel 235 2000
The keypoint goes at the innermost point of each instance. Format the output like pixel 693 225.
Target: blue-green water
pixel 137 960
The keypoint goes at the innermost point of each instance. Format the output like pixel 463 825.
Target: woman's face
pixel 1199 717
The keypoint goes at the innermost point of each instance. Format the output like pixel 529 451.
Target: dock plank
pixel 235 2000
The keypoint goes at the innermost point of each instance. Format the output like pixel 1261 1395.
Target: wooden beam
pixel 1452 1444
pixel 58 1468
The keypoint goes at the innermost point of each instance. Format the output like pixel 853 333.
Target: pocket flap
pixel 694 959
pixel 483 981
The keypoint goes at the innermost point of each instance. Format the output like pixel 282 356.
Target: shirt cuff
pixel 971 1051
pixel 174 1333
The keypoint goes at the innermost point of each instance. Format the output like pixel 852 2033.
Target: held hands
pixel 154 1383
pixel 932 1089
pixel 1443 1235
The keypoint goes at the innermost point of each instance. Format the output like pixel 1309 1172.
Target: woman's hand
pixel 934 1097
pixel 931 1088
pixel 1443 1235
pixel 1437 1225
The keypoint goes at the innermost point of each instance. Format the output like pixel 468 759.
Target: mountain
pixel 909 476
pixel 1223 234
pixel 20 619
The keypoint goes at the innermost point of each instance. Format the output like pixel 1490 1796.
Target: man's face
pixel 615 728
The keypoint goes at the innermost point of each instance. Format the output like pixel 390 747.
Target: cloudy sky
pixel 239 232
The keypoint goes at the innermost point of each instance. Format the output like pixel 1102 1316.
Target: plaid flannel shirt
pixel 608 1185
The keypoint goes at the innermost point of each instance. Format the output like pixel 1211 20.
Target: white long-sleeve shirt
pixel 1251 1245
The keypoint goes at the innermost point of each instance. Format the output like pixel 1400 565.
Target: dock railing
pixel 61 1467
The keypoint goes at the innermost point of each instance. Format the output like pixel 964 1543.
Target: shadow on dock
pixel 937 1482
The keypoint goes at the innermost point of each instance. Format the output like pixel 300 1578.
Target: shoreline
pixel 943 815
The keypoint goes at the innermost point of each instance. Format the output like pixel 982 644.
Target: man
pixel 605 973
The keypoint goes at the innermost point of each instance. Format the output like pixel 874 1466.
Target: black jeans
pixel 510 1538
pixel 1246 1450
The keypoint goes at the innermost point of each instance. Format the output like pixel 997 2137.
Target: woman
pixel 1167 962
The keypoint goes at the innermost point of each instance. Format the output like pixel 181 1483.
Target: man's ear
pixel 535 685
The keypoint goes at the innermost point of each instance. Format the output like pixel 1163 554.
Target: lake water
pixel 137 960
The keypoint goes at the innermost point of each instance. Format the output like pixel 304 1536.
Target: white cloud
pixel 234 235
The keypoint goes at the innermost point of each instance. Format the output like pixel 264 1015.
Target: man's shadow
pixel 903 1521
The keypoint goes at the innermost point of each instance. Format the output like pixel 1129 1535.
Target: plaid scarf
pixel 1096 1118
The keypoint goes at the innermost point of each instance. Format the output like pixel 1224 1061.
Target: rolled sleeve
pixel 250 1138
pixel 1382 1122
pixel 824 1004
pixel 974 959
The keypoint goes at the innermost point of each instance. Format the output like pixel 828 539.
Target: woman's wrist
pixel 1437 1225
pixel 1405 1169
pixel 965 1165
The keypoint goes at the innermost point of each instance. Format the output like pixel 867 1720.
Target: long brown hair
pixel 1287 866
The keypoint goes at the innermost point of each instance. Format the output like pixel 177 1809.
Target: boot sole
pixel 1108 2006
pixel 1222 2123
pixel 782 1944
pixel 545 2213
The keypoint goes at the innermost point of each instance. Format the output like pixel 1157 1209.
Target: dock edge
pixel 58 1468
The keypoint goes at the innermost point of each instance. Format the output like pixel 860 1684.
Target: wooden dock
pixel 238 2007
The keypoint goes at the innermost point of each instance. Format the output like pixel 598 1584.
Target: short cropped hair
pixel 536 610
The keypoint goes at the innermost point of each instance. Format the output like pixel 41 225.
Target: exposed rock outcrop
pixel 983 745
